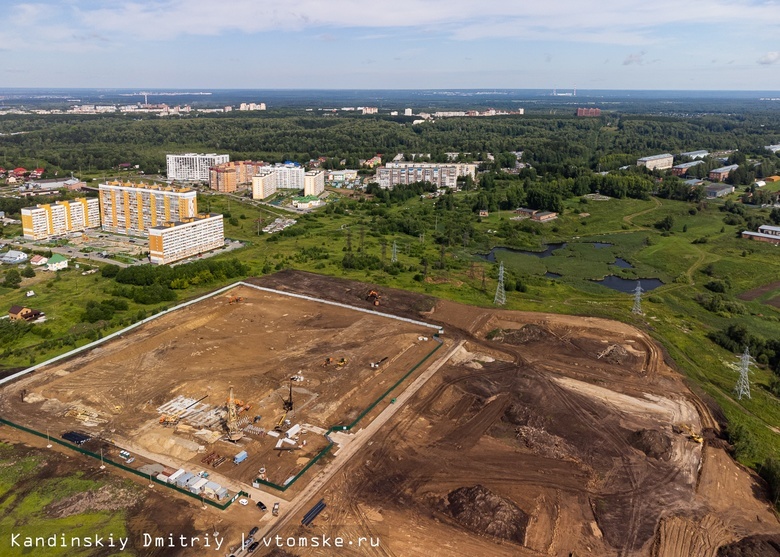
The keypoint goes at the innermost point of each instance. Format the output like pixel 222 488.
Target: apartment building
pixel 228 176
pixel 127 208
pixel 264 184
pixel 313 182
pixel 683 168
pixel 44 221
pixel 659 162
pixel 176 240
pixel 193 167
pixel 443 175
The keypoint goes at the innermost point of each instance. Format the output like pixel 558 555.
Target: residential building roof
pixel 656 157
pixel 728 168
pixel 57 258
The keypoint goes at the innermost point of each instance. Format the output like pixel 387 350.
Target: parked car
pixel 243 502
pixel 261 506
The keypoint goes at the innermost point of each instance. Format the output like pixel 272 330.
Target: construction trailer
pixel 240 457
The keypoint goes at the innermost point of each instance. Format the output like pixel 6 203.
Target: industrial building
pixel 718 190
pixel 173 241
pixel 588 112
pixel 443 175
pixel 264 184
pixel 193 167
pixel 700 154
pixel 44 221
pixel 656 162
pixel 720 174
pixel 228 176
pixel 766 233
pixel 127 208
pixel 313 182
pixel 682 169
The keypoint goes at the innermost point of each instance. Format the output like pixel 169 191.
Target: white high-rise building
pixel 314 182
pixel 407 112
pixel 193 167
pixel 264 184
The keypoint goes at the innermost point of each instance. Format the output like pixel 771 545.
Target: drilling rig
pixel 234 433
pixel 287 405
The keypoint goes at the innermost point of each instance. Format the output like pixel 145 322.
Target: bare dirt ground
pixel 558 435
pixel 256 345
pixel 569 421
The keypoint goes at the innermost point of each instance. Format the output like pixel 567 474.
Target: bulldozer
pixel 342 362
pixel 688 432
pixel 373 296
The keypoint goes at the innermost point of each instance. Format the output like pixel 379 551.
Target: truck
pixel 275 510
pixel 240 457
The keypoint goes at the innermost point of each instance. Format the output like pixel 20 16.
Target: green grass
pixel 24 498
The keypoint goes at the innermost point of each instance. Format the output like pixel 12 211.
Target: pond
pixel 622 263
pixel 552 275
pixel 549 248
pixel 599 245
pixel 629 285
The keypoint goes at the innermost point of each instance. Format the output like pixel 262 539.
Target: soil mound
pixel 107 498
pixel 754 546
pixel 280 553
pixel 525 334
pixel 484 512
pixel 652 442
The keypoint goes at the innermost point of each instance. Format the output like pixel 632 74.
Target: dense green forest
pixel 555 146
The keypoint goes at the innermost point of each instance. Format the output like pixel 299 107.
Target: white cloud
pixel 769 58
pixel 606 21
pixel 637 58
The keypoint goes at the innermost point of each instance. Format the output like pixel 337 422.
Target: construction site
pixel 242 386
pixel 525 434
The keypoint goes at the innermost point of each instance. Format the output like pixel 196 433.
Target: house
pixel 57 262
pixel 525 213
pixel 772 179
pixel 38 260
pixel 759 184
pixel 483 213
pixel 544 216
pixel 718 190
pixel 766 233
pixel 720 174
pixel 19 172
pixel 21 313
pixel 693 182
pixel 13 257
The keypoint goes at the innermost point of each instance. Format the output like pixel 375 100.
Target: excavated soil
pixel 754 546
pixel 488 514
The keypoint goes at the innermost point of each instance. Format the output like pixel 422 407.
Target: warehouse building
pixel 127 208
pixel 173 241
pixel 656 162
pixel 45 221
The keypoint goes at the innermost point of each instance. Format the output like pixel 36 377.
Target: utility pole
pixel 637 309
pixel 743 383
pixel 500 297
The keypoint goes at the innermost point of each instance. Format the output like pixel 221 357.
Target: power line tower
pixel 500 298
pixel 637 309
pixel 743 383
pixel 394 256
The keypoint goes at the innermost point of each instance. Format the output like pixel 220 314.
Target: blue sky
pixel 590 44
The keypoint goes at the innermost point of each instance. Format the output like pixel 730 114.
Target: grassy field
pixel 698 248
pixel 29 488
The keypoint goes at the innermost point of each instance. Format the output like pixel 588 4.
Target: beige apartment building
pixel 173 241
pixel 127 208
pixel 44 221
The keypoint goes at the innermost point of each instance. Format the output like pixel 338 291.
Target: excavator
pixel 688 431
pixel 373 296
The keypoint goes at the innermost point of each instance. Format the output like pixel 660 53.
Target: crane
pixel 234 433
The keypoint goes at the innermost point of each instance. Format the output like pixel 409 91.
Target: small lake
pixel 622 263
pixel 628 285
pixel 549 248
pixel 600 245
pixel 552 275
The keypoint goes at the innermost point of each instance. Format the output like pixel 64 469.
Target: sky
pixel 398 44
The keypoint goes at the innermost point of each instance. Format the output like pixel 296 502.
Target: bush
pixel 12 279
pixel 28 272
pixel 770 471
pixel 743 441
